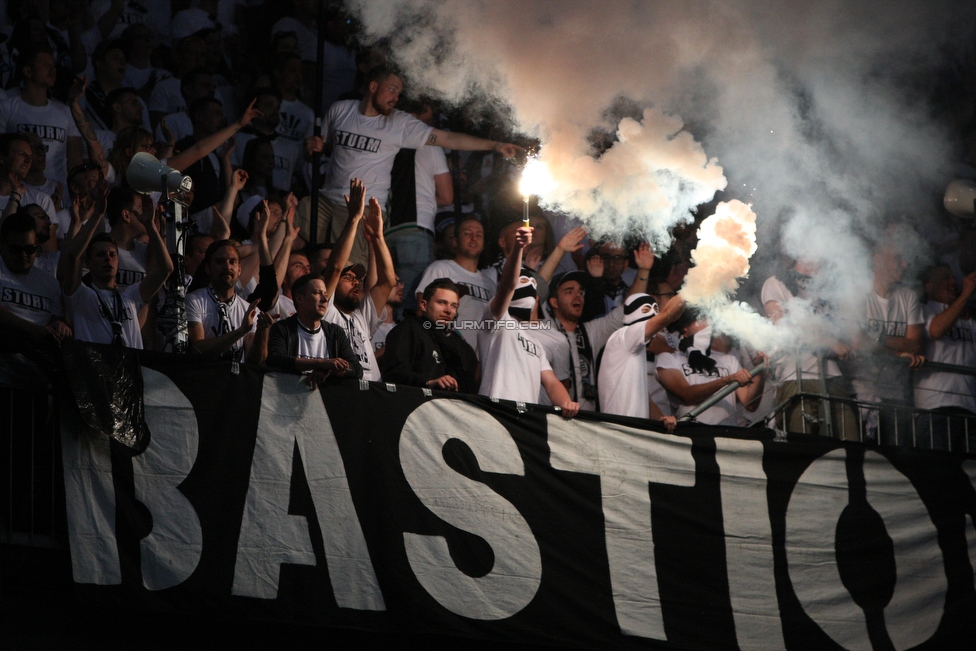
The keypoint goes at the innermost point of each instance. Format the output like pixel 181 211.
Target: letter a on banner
pixel 626 460
pixel 471 506
pixel 915 609
pixel 291 413
pixel 172 549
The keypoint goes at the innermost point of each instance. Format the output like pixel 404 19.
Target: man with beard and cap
pixel 623 362
pixel 30 299
pixel 353 305
pixel 102 311
pixel 426 351
pixel 702 365
pixel 951 339
pixel 305 342
pixel 514 363
pixel 469 243
pixel 365 137
pixel 388 318
pixel 569 332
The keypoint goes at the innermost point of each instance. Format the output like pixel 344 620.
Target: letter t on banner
pixel 626 460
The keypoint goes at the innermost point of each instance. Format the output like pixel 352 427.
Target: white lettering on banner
pixel 471 506
pixel 90 502
pixel 969 467
pixel 748 545
pixel 291 414
pixel 626 460
pixel 815 506
pixel 172 549
pixel 915 610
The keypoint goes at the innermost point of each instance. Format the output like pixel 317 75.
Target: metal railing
pixel 28 456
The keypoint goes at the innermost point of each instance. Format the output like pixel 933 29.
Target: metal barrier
pixel 28 455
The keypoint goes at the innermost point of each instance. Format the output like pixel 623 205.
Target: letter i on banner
pixel 291 413
pixel 626 460
pixel 748 545
pixel 471 506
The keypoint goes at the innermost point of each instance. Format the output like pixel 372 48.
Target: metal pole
pixel 719 395
pixel 172 315
pixel 825 402
pixel 313 217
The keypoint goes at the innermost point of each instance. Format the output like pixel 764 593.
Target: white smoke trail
pixel 812 109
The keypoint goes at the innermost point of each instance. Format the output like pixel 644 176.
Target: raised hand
pixel 239 179
pixel 355 200
pixel 644 256
pixel 594 264
pixel 572 241
pixel 249 114
pixel 508 150
pixel 523 237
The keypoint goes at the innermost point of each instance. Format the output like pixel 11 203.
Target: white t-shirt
pixel 284 308
pixel 880 376
pixel 934 389
pixel 33 195
pixel 166 97
pixel 297 120
pixel 364 148
pixel 91 323
pixel 190 21
pixel 428 162
pixel 623 373
pixel 136 11
pixel 775 290
pixel 723 412
pixel 379 337
pixel 34 296
pixel 52 123
pixel 512 361
pixel 132 265
pixel 312 345
pixel 359 327
pixel 286 154
pixel 137 77
pixel 201 308
pixel 470 308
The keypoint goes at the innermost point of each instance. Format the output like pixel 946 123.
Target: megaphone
pixel 146 174
pixel 960 198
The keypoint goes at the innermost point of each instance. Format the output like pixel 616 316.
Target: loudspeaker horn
pixel 960 198
pixel 146 174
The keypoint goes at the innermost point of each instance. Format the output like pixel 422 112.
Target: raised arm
pixel 464 142
pixel 205 146
pixel 508 280
pixel 944 321
pixel 160 264
pixel 95 151
pixel 644 256
pixel 355 204
pixel 568 243
pixel 69 265
pixel 385 273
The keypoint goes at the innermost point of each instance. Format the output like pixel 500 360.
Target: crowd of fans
pixel 423 272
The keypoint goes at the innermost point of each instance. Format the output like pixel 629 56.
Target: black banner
pixel 390 508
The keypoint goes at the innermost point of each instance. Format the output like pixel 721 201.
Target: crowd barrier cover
pixel 394 509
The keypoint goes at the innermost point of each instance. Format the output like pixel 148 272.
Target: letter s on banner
pixel 820 496
pixel 471 506
pixel 626 460
pixel 172 549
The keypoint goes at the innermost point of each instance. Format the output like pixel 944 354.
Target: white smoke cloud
pixel 812 109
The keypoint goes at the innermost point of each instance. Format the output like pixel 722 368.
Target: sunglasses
pixel 27 249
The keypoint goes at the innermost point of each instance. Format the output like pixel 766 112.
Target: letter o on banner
pixel 471 506
pixel 915 609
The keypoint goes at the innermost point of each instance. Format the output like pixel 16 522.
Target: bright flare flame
pixel 536 179
pixel 726 241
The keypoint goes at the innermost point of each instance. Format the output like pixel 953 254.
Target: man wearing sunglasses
pixel 30 299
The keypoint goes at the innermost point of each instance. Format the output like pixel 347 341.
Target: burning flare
pixel 536 179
